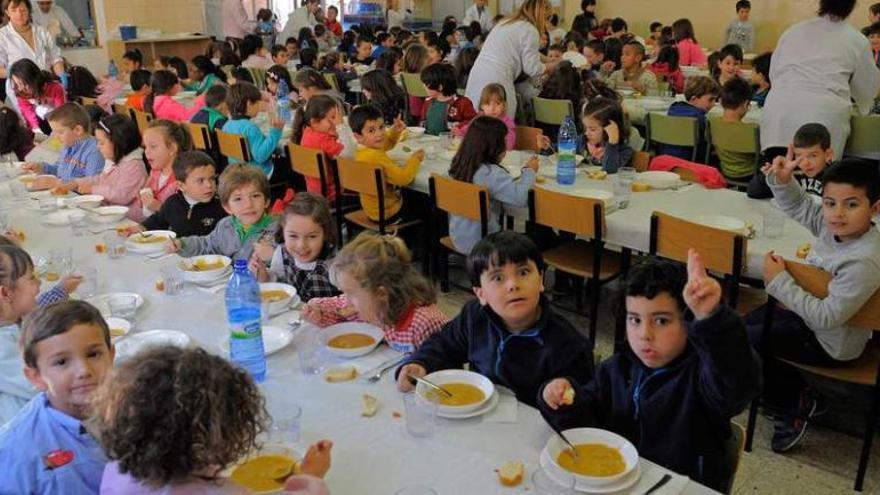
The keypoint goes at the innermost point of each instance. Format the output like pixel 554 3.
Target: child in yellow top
pixel 368 125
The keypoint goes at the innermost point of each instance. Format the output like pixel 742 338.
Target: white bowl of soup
pixel 207 268
pixel 469 390
pixel 351 339
pixel 108 214
pixel 277 295
pixel 603 458
pixel 264 470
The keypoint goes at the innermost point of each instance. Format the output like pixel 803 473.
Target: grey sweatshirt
pixel 502 190
pixel 740 33
pixel 222 240
pixel 855 270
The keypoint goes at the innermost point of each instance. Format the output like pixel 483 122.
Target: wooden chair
pixel 364 178
pixel 734 137
pixel 310 162
pixel 233 146
pixel 863 136
pixel 122 110
pixel 331 80
pixel 259 76
pixel 723 251
pixel 141 119
pixel 641 161
pixel 201 136
pixel 460 198
pixel 862 371
pixel 551 112
pixel 673 131
pixel 86 101
pixel 584 217
pixel 527 138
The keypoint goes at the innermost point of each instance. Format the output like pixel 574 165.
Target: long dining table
pixel 371 455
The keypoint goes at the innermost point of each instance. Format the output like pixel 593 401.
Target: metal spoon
pixel 558 431
pixel 432 385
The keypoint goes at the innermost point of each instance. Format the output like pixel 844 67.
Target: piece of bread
pixel 803 250
pixel 343 374
pixel 568 396
pixel 640 187
pixel 370 406
pixel 597 174
pixel 540 179
pixel 511 473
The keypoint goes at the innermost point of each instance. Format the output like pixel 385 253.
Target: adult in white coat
pixel 236 24
pixel 510 50
pixel 20 38
pixel 478 12
pixel 819 67
pixel 300 18
pixel 395 14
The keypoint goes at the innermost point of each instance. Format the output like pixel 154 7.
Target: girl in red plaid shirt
pixel 380 286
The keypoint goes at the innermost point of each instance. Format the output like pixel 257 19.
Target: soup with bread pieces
pixel 116 332
pixel 264 472
pixel 463 394
pixel 593 459
pixel 273 295
pixel 206 266
pixel 149 239
pixel 351 341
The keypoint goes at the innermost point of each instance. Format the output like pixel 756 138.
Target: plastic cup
pixel 89 285
pixel 47 205
pixel 61 260
pixel 122 306
pixel 558 483
pixel 79 224
pixel 286 426
pixel 774 222
pixel 310 357
pixel 172 280
pixel 115 245
pixel 420 415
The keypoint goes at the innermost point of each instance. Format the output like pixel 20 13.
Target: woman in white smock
pixel 510 50
pixel 20 38
pixel 819 67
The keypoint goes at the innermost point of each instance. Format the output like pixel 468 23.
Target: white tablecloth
pixel 371 455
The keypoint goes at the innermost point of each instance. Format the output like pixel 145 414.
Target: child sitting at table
pixel 368 125
pixel 443 105
pixel 163 141
pixel 665 68
pixel 736 95
pixel 632 74
pixel 725 64
pixel 204 75
pixel 79 156
pixel 317 130
pixel 194 209
pixel 493 103
pixel 16 140
pixel 215 113
pixel 275 75
pixel 761 78
pixel 47 447
pixel 689 51
pixel 245 102
pixel 380 89
pixel 244 194
pixel 686 369
pixel 700 94
pixel 380 286
pixel 808 329
pixel 124 173
pixel 606 132
pixel 563 83
pixel 873 34
pixel 280 55
pixel 594 51
pixel 574 47
pixel 160 102
pixel 478 161
pixel 415 59
pixel 305 240
pixel 364 54
pixel 811 149
pixel 210 422
pixel 37 92
pixel 554 53
pixel 140 87
pixel 511 333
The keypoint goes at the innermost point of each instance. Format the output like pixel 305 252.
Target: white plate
pixel 626 482
pixel 87 200
pixel 721 222
pixel 351 327
pixel 461 376
pixel 486 407
pixel 136 342
pixel 28 179
pixel 658 179
pixel 277 307
pixel 207 275
pixel 108 214
pixel 47 193
pixel 578 436
pixel 120 323
pixel 59 218
pixel 102 301
pixel 150 248
pixel 414 132
pixel 274 339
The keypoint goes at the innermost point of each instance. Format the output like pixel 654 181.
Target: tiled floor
pixel 824 463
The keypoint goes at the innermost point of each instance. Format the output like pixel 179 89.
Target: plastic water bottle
pixel 282 95
pixel 64 79
pixel 566 149
pixel 243 313
pixel 112 70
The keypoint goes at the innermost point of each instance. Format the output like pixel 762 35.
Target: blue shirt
pixel 80 160
pixel 261 146
pixel 37 431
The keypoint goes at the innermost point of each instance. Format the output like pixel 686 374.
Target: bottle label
pixel 246 330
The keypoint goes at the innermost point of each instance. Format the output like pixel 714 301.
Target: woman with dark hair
pixel 819 67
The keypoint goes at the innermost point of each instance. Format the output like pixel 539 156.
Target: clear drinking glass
pixel 123 306
pixel 115 245
pixel 79 224
pixel 61 260
pixel 89 285
pixel 420 415
pixel 172 280
pixel 286 426
pixel 47 205
pixel 774 222
pixel 311 360
pixel 557 483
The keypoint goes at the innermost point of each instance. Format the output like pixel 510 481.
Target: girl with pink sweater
pixel 163 141
pixel 493 102
pixel 689 51
pixel 161 103
pixel 124 170
pixel 37 93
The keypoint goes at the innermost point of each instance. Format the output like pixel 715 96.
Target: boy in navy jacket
pixel 700 93
pixel 674 388
pixel 510 334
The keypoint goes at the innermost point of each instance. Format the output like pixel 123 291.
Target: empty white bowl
pixel 108 214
